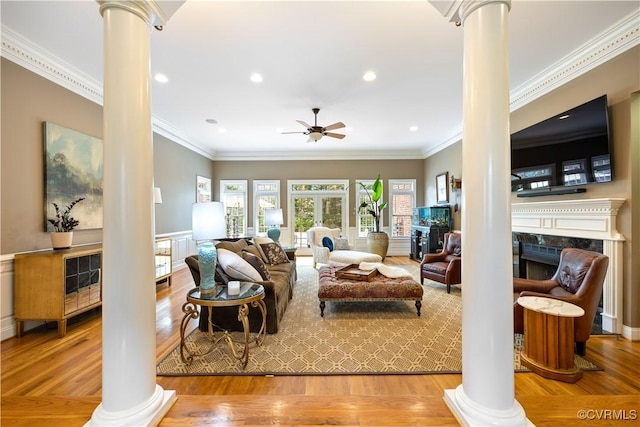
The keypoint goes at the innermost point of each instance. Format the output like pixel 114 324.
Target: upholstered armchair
pixel 578 280
pixel 328 247
pixel 446 265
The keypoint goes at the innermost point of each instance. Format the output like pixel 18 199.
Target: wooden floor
pixel 51 381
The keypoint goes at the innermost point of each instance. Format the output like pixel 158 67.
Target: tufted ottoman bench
pixel 379 288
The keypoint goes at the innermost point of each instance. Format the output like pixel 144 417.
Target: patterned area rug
pixel 385 337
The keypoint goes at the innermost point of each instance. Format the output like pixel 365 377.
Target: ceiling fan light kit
pixel 316 132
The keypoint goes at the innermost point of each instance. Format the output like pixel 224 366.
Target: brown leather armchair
pixel 445 266
pixel 578 280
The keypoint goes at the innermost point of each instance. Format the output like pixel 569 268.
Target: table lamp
pixel 207 223
pixel 273 217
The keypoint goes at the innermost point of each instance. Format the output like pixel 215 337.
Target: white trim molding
pixel 588 219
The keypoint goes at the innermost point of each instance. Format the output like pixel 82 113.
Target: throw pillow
pixel 257 263
pixel 341 243
pixel 327 243
pixel 253 249
pixel 274 253
pixel 259 241
pixel 237 268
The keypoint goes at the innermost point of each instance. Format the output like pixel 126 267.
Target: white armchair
pixel 341 254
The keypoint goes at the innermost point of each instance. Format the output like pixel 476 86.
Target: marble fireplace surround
pixel 588 219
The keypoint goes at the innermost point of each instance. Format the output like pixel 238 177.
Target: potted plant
pixel 377 240
pixel 63 225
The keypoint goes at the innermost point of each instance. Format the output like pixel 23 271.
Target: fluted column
pixel 486 395
pixel 130 395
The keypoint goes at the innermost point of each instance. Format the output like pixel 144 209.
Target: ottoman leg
pixel 418 306
pixel 321 308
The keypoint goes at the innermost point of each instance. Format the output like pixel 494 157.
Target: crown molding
pixel 161 127
pixel 31 56
pixel 321 155
pixel 612 42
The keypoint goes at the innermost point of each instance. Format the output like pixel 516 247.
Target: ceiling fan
pixel 316 132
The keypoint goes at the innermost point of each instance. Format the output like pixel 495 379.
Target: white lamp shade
pixel 273 217
pixel 207 221
pixel 157 195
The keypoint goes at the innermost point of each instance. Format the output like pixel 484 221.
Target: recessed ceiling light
pixel 161 78
pixel 212 121
pixel 222 130
pixel 566 116
pixel 369 76
pixel 413 128
pixel 256 78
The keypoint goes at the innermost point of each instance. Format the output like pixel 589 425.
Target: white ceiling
pixel 312 54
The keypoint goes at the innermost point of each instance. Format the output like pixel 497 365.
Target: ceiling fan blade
pixel 303 124
pixel 334 135
pixel 335 126
pixel 293 132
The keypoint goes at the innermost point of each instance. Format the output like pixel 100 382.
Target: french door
pixel 317 205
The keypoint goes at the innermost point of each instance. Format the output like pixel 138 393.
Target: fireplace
pixel 535 261
pixel 585 223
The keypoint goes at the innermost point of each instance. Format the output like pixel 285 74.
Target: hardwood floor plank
pixel 53 381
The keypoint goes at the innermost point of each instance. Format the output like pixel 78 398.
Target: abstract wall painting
pixel 73 168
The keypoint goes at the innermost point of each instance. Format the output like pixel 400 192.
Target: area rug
pixel 383 337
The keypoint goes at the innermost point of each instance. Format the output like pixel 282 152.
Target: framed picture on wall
pixel 442 191
pixel 203 189
pixel 73 164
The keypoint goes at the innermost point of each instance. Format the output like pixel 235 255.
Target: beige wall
pixel 618 79
pixel 27 101
pixel 448 160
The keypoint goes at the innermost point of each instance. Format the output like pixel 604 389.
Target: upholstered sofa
pixel 278 288
pixel 329 247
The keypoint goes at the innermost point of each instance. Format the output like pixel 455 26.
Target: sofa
pixel 329 247
pixel 446 265
pixel 278 285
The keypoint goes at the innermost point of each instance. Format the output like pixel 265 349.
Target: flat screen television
pixel 570 149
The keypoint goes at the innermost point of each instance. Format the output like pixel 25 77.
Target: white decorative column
pixel 486 395
pixel 130 395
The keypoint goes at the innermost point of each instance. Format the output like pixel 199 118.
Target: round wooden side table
pixel 549 338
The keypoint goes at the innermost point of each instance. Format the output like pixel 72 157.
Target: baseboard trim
pixel 630 333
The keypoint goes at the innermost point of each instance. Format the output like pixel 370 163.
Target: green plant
pixel 63 220
pixel 373 205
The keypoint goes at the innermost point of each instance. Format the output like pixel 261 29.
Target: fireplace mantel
pixel 588 219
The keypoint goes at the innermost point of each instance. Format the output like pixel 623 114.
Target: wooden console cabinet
pixel 56 285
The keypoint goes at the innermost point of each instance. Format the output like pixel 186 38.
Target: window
pixel 266 195
pixel 402 196
pixel 364 220
pixel 234 197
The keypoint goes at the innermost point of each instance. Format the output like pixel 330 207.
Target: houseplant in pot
pixel 63 225
pixel 377 240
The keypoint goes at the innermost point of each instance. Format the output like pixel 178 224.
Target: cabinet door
pixel 163 259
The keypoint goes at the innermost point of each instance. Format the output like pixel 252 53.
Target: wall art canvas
pixel 73 168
